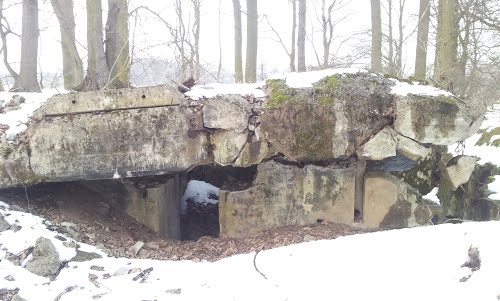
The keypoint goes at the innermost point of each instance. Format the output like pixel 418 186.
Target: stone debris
pixel 45 260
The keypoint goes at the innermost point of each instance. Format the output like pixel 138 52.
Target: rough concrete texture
pixel 389 203
pixel 111 99
pixel 288 195
pixel 411 149
pixel 227 146
pixel 227 112
pixel 332 121
pixel 381 146
pixel 120 144
pixel 458 171
pixel 45 260
pixel 439 120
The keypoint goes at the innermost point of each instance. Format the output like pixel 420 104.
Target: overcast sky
pixel 151 37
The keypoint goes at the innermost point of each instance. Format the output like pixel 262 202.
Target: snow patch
pixel 495 188
pixel 200 192
pixel 17 119
pixel 212 90
pixel 404 88
pixel 432 196
pixel 307 79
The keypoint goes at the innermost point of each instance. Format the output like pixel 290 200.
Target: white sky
pixel 151 36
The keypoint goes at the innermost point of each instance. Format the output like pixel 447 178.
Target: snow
pixel 404 88
pixel 306 79
pixel 212 90
pixel 494 187
pixel 432 196
pixel 423 263
pixel 17 119
pixel 199 192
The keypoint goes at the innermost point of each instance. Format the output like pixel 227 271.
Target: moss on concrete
pixel 279 93
pixel 5 151
pixel 425 110
pixel 325 90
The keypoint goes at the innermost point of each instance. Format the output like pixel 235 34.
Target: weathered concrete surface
pixel 458 171
pixel 382 145
pixel 111 99
pixel 288 195
pixel 123 144
pixel 438 120
pixel 470 201
pixel 411 149
pixel 152 202
pixel 15 166
pixel 227 112
pixel 389 203
pixel 339 114
pixel 228 146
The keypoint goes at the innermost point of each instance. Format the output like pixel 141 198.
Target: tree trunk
pixel 422 40
pixel 27 80
pixel 301 41
pixel 117 43
pixel 72 63
pixel 390 41
pixel 446 44
pixel 252 35
pixel 238 40
pixel 97 71
pixel 294 33
pixel 196 34
pixel 399 50
pixel 376 55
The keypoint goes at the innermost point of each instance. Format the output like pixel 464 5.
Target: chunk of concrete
pixel 227 112
pixel 458 170
pixel 440 120
pixel 228 146
pixel 411 149
pixel 388 202
pixel 45 260
pixel 382 145
pixel 288 195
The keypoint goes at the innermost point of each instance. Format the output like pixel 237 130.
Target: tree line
pixel 464 33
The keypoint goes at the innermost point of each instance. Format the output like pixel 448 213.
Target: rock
pixel 254 153
pixel 440 120
pixel 4 226
pixel 45 261
pixel 153 245
pixel 227 146
pixel 411 149
pixel 97 268
pixel 174 291
pixel 227 112
pixel 82 256
pixel 458 171
pixel 422 214
pixel 16 101
pixel 134 250
pixel 309 237
pixel 9 278
pixel 381 146
pixel 288 195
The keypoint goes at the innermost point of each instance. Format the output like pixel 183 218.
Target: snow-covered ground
pixel 17 119
pixel 411 264
pixel 199 192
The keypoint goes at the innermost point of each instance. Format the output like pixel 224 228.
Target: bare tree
pixel 27 79
pixel 4 32
pixel 422 39
pixel 252 37
pixel 301 39
pixel 376 53
pixel 117 44
pixel 446 44
pixel 72 63
pixel 196 34
pixel 238 40
pixel 294 34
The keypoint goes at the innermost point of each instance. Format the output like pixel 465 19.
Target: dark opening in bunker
pixel 200 202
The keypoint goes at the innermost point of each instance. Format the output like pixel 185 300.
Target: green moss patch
pixel 279 93
pixel 486 137
pixel 325 90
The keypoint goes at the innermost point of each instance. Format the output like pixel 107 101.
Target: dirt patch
pixel 116 233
